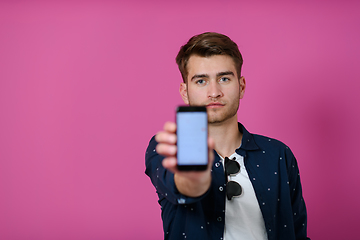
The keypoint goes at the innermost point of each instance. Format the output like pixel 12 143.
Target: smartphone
pixel 192 138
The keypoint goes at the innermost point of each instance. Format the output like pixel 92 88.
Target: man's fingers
pixel 211 145
pixel 166 137
pixel 166 150
pixel 170 127
pixel 167 145
pixel 170 164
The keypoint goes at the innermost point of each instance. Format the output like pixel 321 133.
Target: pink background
pixel 85 85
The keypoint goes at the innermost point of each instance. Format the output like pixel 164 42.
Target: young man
pixel 199 205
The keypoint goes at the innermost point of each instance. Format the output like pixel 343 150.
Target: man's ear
pixel 183 93
pixel 242 84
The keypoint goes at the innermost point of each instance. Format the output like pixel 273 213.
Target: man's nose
pixel 214 90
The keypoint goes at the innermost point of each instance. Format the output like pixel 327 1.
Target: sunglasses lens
pixel 232 167
pixel 233 189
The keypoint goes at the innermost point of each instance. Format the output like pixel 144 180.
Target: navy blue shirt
pixel 270 165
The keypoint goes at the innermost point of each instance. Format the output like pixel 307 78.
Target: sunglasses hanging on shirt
pixel 232 167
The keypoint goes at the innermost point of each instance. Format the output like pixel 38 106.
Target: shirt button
pixel 221 188
pixel 219 219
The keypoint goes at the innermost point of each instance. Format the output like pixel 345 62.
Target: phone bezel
pixel 191 167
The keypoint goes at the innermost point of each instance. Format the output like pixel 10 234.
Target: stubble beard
pixel 218 116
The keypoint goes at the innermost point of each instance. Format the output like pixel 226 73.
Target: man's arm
pixel 188 183
pixel 297 200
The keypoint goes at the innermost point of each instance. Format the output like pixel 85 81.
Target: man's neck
pixel 226 135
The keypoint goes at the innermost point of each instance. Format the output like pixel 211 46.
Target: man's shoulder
pixel 274 148
pixel 268 142
pixel 254 141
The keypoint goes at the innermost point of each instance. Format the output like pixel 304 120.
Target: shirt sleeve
pixel 163 179
pixel 297 200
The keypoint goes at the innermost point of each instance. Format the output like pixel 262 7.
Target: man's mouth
pixel 214 105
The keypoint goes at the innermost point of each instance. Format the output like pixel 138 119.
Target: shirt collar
pixel 247 142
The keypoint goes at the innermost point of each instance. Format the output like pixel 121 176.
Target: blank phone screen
pixel 192 138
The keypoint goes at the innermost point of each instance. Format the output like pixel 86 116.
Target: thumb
pixel 211 146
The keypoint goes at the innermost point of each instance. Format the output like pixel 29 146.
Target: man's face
pixel 213 82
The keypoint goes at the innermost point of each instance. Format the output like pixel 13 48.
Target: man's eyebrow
pixel 225 73
pixel 199 76
pixel 219 74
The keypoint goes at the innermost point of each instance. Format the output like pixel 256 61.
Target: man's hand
pixel 189 183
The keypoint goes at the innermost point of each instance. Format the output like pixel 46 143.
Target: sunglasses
pixel 232 188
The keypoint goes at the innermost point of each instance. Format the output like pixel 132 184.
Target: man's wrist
pixel 193 186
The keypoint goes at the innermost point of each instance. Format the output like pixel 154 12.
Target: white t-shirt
pixel 243 217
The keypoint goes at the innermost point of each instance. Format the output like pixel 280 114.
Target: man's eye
pixel 224 79
pixel 200 81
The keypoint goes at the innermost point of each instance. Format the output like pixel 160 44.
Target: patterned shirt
pixel 274 174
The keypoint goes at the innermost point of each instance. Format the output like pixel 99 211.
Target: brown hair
pixel 205 45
